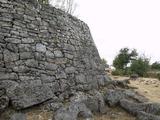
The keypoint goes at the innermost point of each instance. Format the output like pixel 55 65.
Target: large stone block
pixel 26 96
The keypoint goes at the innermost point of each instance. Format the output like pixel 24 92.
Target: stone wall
pixel 45 52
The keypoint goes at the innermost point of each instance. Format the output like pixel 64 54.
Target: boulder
pixel 135 108
pixel 118 83
pixel 113 96
pixel 72 112
pixel 146 116
pixel 26 96
pixel 94 101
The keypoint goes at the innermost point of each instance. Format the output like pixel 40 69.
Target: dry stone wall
pixel 45 52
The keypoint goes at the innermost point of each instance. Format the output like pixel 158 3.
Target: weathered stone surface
pixel 50 66
pixel 70 70
pixel 81 79
pixel 8 85
pixel 10 56
pixel 113 96
pixel 2 91
pixel 8 76
pixel 18 116
pixel 26 55
pixel 117 83
pixel 40 47
pixel 94 101
pixel 45 51
pixel 26 96
pixel 58 53
pixel 72 112
pixel 54 106
pixel 135 108
pixel 146 116
pixel 4 102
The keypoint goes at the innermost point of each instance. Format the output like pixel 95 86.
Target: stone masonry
pixel 45 52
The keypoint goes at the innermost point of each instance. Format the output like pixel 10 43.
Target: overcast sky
pixel 115 24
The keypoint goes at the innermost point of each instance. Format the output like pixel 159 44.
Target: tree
pixel 124 57
pixel 140 66
pixel 104 63
pixel 155 66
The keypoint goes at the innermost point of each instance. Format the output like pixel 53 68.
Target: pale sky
pixel 115 24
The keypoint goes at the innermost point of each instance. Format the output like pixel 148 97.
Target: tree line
pixel 128 61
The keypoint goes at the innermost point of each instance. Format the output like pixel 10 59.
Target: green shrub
pixel 140 66
pixel 153 74
pixel 155 66
pixel 158 76
pixel 118 72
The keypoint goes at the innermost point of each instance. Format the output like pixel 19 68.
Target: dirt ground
pixel 148 87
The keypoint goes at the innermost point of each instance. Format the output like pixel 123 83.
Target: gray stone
pixel 43 46
pixel 50 66
pixel 102 108
pixel 70 70
pixel 18 116
pixel 12 47
pixel 21 69
pixel 69 56
pixel 26 55
pixel 54 106
pixel 146 116
pixel 61 75
pixel 72 112
pixel 4 102
pixel 63 114
pixel 47 79
pixel 25 48
pixel 135 108
pixel 94 101
pixel 49 54
pixel 13 40
pixel 58 53
pixel 81 79
pixel 1 57
pixel 31 63
pixel 8 85
pixel 54 86
pixel 113 96
pixel 10 56
pixel 2 91
pixel 40 47
pixel 27 40
pixel 26 96
pixel 40 56
pixel 118 83
pixel 8 76
pixel 68 47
